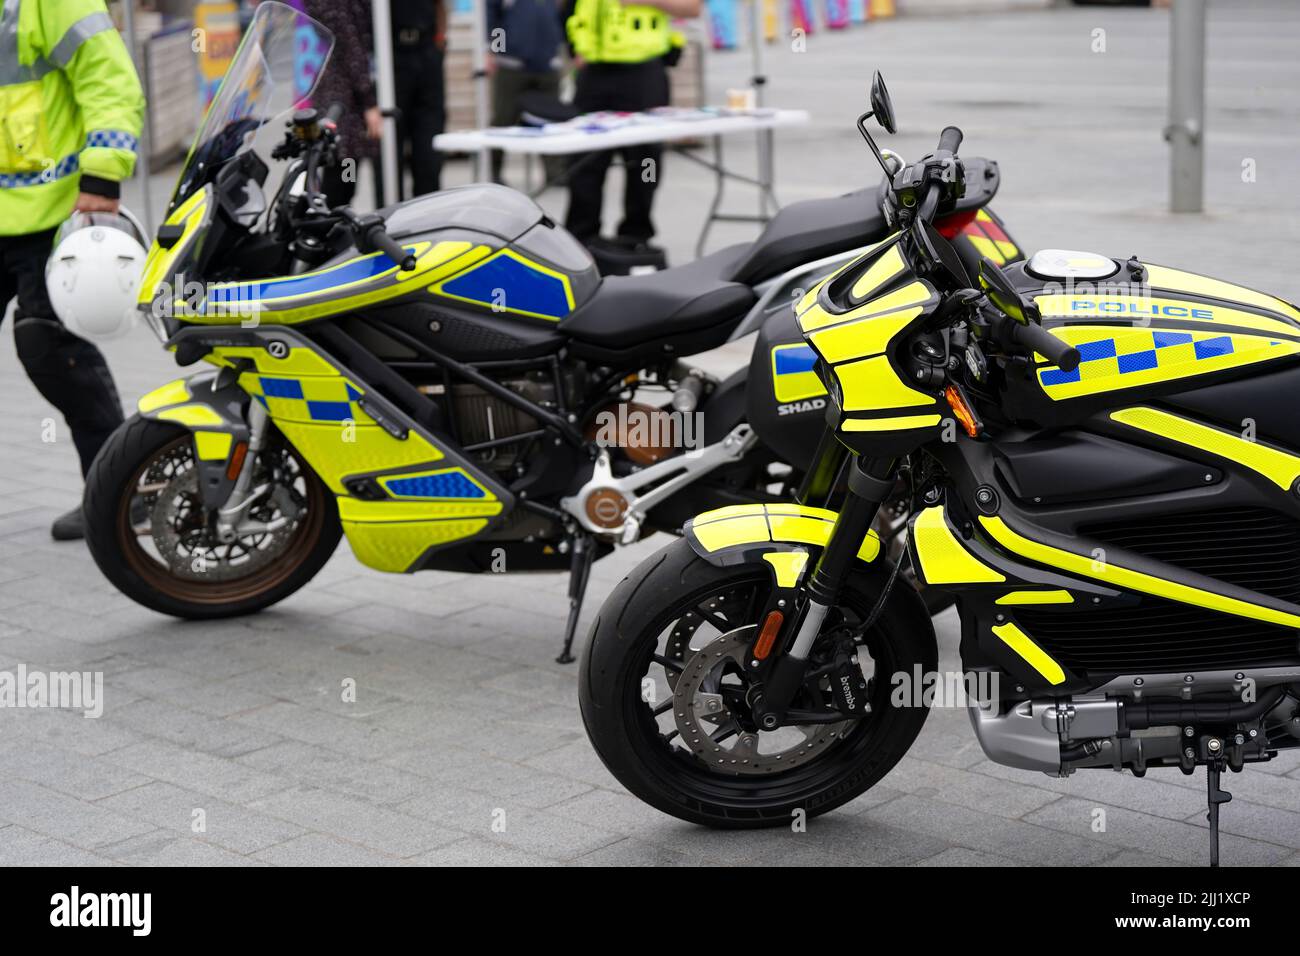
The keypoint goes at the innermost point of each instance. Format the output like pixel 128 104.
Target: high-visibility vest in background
pixel 51 136
pixel 607 31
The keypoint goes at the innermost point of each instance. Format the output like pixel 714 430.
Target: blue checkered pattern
pixel 112 139
pixel 66 167
pixel 1137 361
pixel 322 400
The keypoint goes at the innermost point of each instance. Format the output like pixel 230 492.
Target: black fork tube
pixel 870 483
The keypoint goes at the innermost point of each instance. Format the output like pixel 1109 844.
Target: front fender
pixel 741 534
pixel 215 413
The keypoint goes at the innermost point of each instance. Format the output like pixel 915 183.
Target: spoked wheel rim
pixel 166 538
pixel 718 624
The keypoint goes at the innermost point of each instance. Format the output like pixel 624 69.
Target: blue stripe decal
pixel 356 270
pixel 1209 348
pixel 447 485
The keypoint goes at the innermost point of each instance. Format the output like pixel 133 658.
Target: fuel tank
pixel 1143 332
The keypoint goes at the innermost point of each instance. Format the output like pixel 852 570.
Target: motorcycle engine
pixel 482 417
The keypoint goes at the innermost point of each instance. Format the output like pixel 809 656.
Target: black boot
pixel 69 527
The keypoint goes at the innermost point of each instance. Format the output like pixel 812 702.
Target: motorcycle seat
pixel 658 306
pixel 809 230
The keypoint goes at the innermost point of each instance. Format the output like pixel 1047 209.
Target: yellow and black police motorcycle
pixel 1103 474
pixel 431 381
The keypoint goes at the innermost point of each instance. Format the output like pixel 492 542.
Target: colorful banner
pixel 217 30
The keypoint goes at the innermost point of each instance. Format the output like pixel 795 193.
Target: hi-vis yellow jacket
pixel 71 108
pixel 608 31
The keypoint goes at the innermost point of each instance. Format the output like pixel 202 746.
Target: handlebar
pixel 376 237
pixel 1034 338
pixel 949 142
pixel 950 139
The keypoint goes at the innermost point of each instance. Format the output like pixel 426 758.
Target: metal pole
pixel 1186 129
pixel 479 60
pixel 759 83
pixel 386 94
pixel 142 159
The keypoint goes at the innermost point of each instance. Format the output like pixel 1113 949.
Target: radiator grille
pixel 1252 548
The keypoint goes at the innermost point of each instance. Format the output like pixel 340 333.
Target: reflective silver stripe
pixel 77 34
pixel 11 71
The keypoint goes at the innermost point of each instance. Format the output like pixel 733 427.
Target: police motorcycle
pixel 1126 561
pixel 447 382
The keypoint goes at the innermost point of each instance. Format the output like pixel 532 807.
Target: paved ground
pixel 461 716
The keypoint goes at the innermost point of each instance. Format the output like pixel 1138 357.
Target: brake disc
pixel 191 553
pixel 718 736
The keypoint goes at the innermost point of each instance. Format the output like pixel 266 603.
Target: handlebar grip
pixel 950 139
pixel 379 239
pixel 1036 338
pixel 334 114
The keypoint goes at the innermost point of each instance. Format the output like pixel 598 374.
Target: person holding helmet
pixel 71 110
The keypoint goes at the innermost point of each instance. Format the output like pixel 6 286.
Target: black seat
pixel 694 302
pixel 809 230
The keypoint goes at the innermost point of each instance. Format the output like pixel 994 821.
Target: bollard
pixel 1186 130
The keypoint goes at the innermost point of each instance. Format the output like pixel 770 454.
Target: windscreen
pixel 273 72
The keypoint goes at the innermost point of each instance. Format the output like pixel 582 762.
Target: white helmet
pixel 93 274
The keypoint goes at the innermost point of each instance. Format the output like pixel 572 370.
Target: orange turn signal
pixel 767 636
pixel 962 411
pixel 237 460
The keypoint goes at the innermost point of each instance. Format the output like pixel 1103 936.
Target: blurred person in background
pixel 524 38
pixel 347 84
pixel 71 109
pixel 622 52
pixel 419 40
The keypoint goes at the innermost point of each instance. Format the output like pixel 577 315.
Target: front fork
pixel 230 519
pixel 871 481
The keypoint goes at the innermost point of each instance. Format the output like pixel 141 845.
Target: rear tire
pixel 625 638
pixel 111 532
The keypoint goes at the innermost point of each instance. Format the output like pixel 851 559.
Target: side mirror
pixel 1005 296
pixel 882 107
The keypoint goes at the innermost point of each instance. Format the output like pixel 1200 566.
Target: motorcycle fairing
pixel 213 413
pixel 401 490
pixel 508 281
pixel 182 230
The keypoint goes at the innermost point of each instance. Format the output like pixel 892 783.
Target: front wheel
pixel 152 538
pixel 664 694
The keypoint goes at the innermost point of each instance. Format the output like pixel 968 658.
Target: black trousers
pixel 617 86
pixel 69 371
pixel 421 102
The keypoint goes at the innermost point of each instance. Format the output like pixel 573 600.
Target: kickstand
pixel 1216 797
pixel 584 552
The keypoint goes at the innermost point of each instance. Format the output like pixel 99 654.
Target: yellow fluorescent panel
pixel 872 384
pixel 944 560
pixel 788 565
pixel 1277 466
pixel 863 337
pixel 1036 597
pixel 899 423
pixel 755 524
pixel 1161 277
pixel 1034 656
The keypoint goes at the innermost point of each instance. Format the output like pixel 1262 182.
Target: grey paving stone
pixel 1020 839
pixel 1132 831
pixel 20 846
pixel 66 771
pixel 963 788
pixel 356 821
pixel 317 849
pixel 961 856
pixel 76 822
pixel 472 851
pixel 219 776
pixel 163 848
pixel 229 825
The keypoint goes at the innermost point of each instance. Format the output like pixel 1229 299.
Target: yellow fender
pixel 739 534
